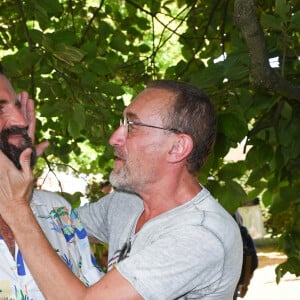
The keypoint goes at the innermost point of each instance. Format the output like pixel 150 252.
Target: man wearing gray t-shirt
pixel 168 237
pixel 168 244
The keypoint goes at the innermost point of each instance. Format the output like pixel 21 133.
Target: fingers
pixel 15 185
pixel 40 148
pixel 23 98
pixel 25 158
pixel 9 170
pixel 27 109
pixel 31 119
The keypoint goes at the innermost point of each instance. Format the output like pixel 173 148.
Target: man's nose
pixel 118 137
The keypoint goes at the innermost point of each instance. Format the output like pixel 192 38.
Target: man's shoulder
pixel 121 194
pixel 118 199
pixel 44 197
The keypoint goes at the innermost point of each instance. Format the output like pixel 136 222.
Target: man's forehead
pixel 151 102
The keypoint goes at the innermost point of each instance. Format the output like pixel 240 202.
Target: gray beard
pixel 119 181
pixel 13 152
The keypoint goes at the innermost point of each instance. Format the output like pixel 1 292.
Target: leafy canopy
pixel 82 60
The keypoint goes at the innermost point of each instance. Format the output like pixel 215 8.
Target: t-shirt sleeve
pixel 175 264
pixel 94 218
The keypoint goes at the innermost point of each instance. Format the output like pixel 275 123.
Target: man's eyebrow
pixel 3 102
pixel 131 115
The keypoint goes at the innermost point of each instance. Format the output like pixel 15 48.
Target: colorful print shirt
pixel 68 238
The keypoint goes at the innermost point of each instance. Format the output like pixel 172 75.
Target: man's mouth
pixel 118 155
pixel 16 139
pixel 118 160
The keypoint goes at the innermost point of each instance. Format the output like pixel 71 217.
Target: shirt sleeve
pixel 66 234
pixel 94 217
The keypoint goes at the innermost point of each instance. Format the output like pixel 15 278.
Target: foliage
pixel 80 61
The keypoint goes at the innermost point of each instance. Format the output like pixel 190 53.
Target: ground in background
pixel 263 285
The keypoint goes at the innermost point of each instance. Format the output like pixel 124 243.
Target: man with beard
pixel 55 216
pixel 168 237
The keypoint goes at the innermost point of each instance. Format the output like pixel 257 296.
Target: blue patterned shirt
pixel 61 225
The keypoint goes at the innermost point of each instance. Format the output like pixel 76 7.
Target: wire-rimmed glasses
pixel 126 123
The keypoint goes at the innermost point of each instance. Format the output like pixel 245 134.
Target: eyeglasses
pixel 124 122
pixel 125 250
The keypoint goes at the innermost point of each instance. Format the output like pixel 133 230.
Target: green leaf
pixel 53 6
pixel 41 16
pixel 233 126
pixel 257 175
pixel 50 109
pixel 282 7
pixel 222 145
pixel 68 54
pixel 292 265
pixel 232 170
pixel 100 66
pixel 62 38
pixel 110 89
pixel 267 198
pixel 269 21
pixel 258 156
pixel 79 115
pixel 143 23
pixel 278 205
pixel 73 199
pixel 144 48
pixel 209 77
pixel 295 21
pixel 88 78
pixel 36 36
pixel 230 194
pixel 287 111
pixel 118 42
pixel 236 66
pixel 74 128
pixel 26 59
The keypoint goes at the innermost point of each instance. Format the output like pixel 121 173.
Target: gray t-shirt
pixel 193 251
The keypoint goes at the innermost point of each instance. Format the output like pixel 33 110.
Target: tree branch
pixel 30 46
pixel 261 72
pixel 85 32
pixel 202 38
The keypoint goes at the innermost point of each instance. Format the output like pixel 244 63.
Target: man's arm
pixel 54 278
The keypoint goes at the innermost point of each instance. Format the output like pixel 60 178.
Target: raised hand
pixel 27 108
pixel 15 185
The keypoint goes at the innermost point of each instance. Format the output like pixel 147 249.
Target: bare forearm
pixel 55 280
pixel 58 282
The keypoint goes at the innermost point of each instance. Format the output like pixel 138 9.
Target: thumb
pixel 40 148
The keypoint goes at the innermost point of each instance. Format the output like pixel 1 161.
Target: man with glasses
pixel 168 237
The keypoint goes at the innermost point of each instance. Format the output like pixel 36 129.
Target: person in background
pixel 55 216
pixel 168 237
pixel 106 187
pixel 250 259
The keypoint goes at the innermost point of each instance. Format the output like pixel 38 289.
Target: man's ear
pixel 181 148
